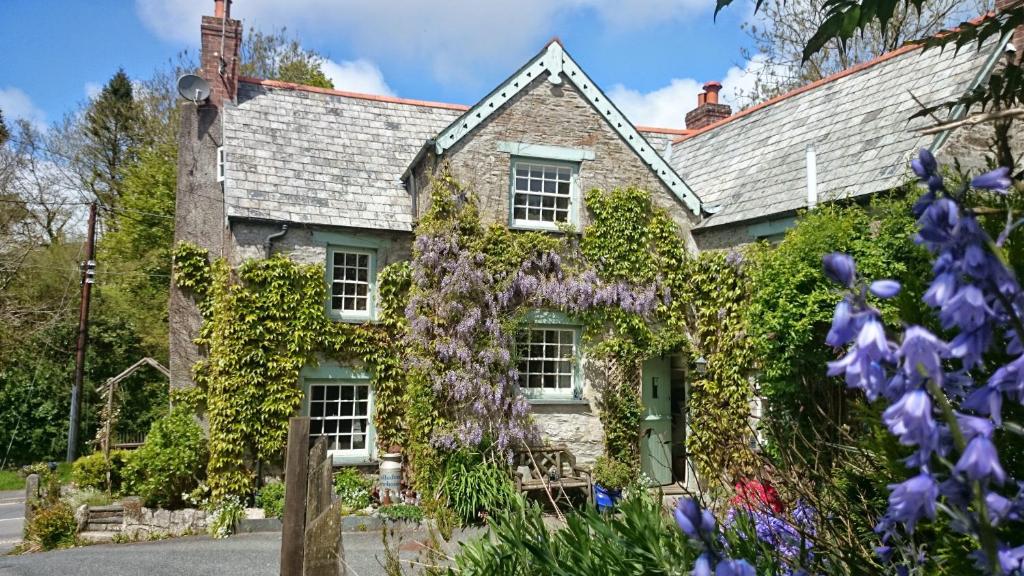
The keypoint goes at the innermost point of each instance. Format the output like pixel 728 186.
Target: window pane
pixel 546 187
pixel 521 183
pixel 535 185
pixel 332 392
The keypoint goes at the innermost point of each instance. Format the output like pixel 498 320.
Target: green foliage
pixel 637 540
pixel 276 56
pixel 137 248
pixel 224 516
pixel 791 308
pixel 91 471
pixel 271 499
pixel 113 134
pixel 352 488
pixel 11 480
pixel 474 488
pixel 389 374
pixel 171 462
pixel 52 526
pixel 716 294
pixel 403 512
pixel 262 324
pixel 612 474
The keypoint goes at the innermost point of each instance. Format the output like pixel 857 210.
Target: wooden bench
pixel 554 468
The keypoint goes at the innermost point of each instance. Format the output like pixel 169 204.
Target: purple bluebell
pixel 910 419
pixel 844 325
pixel 912 500
pixel 840 268
pixel 966 310
pixel 885 288
pixel 1011 560
pixel 702 567
pixel 734 567
pixel 980 461
pixel 972 426
pixel 925 164
pixel 693 521
pixel 998 180
pixel 999 507
pixel 922 354
pixel 871 340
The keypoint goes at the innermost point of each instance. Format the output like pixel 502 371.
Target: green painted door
pixel 656 430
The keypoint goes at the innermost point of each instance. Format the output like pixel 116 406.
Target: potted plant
pixel 610 477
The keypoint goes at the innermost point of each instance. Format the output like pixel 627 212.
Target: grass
pixel 13 480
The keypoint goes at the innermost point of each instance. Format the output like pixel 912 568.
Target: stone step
pixel 106 520
pixel 102 528
pixel 110 514
pixel 107 508
pixel 96 537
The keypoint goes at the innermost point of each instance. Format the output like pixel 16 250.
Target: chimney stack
pixel 708 110
pixel 221 40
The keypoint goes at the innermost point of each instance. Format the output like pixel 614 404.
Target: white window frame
pixel 220 164
pixel 574 196
pixel 575 389
pixel 369 434
pixel 371 289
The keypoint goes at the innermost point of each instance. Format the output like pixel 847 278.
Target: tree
pixel 4 134
pixel 275 56
pixel 112 135
pixel 782 30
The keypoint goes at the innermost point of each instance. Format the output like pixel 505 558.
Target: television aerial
pixel 193 88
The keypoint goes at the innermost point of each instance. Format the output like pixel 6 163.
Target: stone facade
pixel 551 115
pixel 308 244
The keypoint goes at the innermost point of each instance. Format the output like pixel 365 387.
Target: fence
pixel 311 538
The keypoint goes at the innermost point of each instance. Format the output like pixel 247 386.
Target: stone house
pixel 337 179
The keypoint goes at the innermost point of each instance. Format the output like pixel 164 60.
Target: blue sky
pixel 650 55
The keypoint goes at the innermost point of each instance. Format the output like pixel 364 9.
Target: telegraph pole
pixel 88 278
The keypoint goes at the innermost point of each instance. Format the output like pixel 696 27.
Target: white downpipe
pixel 812 177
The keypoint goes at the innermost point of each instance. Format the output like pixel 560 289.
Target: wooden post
pixel 294 519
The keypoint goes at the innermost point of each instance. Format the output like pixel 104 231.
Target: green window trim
pixel 545 152
pixel 370 314
pixel 553 319
pixel 575 198
pixel 332 373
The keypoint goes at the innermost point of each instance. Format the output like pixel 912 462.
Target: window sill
pixel 353 461
pixel 557 402
pixel 352 320
pixel 539 227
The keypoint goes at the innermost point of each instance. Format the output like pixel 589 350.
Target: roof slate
pixel 754 165
pixel 318 157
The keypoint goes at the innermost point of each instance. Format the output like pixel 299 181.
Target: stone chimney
pixel 221 40
pixel 708 110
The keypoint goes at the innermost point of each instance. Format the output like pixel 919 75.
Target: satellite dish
pixel 194 88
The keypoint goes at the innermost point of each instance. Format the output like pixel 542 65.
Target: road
pixel 12 512
pixel 241 555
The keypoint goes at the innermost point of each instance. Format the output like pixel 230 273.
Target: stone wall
pixel 301 245
pixel 143 522
pixel 552 115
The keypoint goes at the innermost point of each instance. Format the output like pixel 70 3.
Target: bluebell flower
pixel 985 400
pixel 910 419
pixel 925 164
pixel 885 288
pixel 844 325
pixel 998 180
pixel 734 568
pixel 922 354
pixel 966 310
pixel 939 221
pixel 693 521
pixel 972 426
pixel 840 268
pixel 912 500
pixel 871 339
pixel 1011 560
pixel 999 507
pixel 941 290
pixel 980 461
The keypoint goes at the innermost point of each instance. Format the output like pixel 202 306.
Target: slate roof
pixel 315 156
pixel 753 164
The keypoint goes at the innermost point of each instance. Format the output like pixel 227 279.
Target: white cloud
pixel 92 89
pixel 17 105
pixel 452 38
pixel 357 76
pixel 667 106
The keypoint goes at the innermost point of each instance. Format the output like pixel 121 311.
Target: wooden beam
pixel 295 476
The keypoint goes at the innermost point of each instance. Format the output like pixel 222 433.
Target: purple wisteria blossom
pixel 940 402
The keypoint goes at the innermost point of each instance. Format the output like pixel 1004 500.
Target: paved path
pixel 12 512
pixel 241 555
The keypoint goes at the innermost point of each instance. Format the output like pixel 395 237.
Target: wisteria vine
pixel 940 402
pixel 463 317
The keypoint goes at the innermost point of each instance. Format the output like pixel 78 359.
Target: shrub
pixel 271 499
pixel 53 526
pixel 639 540
pixel 352 488
pixel 224 515
pixel 611 473
pixel 474 488
pixel 406 512
pixel 91 471
pixel 171 463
